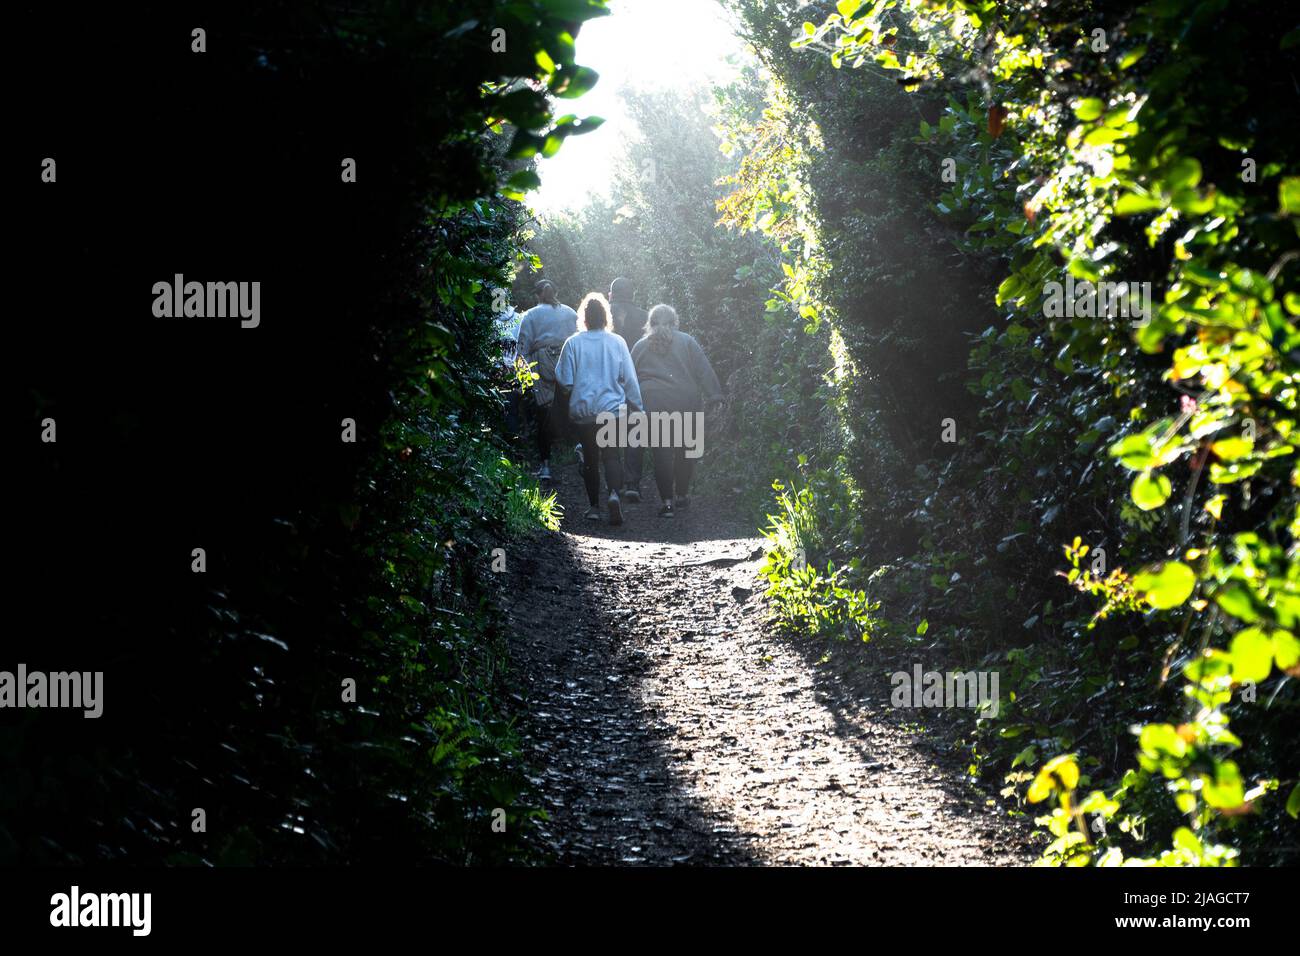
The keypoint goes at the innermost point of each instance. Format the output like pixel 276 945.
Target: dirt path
pixel 669 725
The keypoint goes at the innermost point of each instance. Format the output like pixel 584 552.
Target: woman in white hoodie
pixel 596 367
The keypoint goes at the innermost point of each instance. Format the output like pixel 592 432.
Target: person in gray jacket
pixel 596 369
pixel 542 333
pixel 675 376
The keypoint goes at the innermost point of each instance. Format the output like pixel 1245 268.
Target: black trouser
pixel 544 417
pixel 513 419
pixel 592 456
pixel 673 471
pixel 634 467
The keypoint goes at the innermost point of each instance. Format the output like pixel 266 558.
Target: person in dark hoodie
pixel 675 376
pixel 629 321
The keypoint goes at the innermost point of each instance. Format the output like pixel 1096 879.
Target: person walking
pixel 675 376
pixel 596 368
pixel 542 334
pixel 629 322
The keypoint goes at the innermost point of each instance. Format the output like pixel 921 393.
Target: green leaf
pixel 1166 585
pixel 1150 491
pixel 579 127
pixel 1158 739
pixel 1147 449
pixel 1210 666
pixel 571 84
pixel 524 180
pixel 1011 288
pixel 1131 57
pixel 1286 650
pixel 1089 109
pixel 1252 655
pixel 1225 791
pixel 1186 840
pixel 1293 802
pixel 1230 449
pixel 1028 755
pixel 1235 599
pixel 1288 195
pixel 848 7
pixel 1102 136
pixel 1133 203
pixel 1184 174
pixel 1134 452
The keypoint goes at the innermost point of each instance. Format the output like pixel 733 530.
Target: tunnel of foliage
pixel 863 230
pixel 330 564
pixel 1096 501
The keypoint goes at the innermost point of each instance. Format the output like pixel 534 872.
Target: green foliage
pixel 805 599
pixel 374 566
pixel 1070 163
pixel 658 228
pixel 527 507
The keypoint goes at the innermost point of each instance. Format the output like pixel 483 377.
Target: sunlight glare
pixel 643 44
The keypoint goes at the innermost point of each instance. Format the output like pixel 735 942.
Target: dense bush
pixel 1070 160
pixel 326 561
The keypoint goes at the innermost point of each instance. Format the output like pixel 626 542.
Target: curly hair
pixel 593 313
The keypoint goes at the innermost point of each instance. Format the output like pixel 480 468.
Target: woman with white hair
pixel 675 376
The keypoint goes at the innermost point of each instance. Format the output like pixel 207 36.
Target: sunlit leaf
pixel 1150 491
pixel 1252 655
pixel 1166 585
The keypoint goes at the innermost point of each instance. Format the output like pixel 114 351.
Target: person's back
pixel 546 325
pixel 629 321
pixel 598 368
pixel 674 373
pixel 675 377
pixel 542 333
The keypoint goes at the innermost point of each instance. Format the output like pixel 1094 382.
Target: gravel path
pixel 668 724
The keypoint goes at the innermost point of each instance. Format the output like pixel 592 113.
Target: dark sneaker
pixel 615 509
pixel 544 473
pixel 593 514
pixel 682 501
pixel 577 450
pixel 666 511
pixel 632 496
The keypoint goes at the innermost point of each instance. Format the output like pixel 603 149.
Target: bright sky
pixel 642 44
